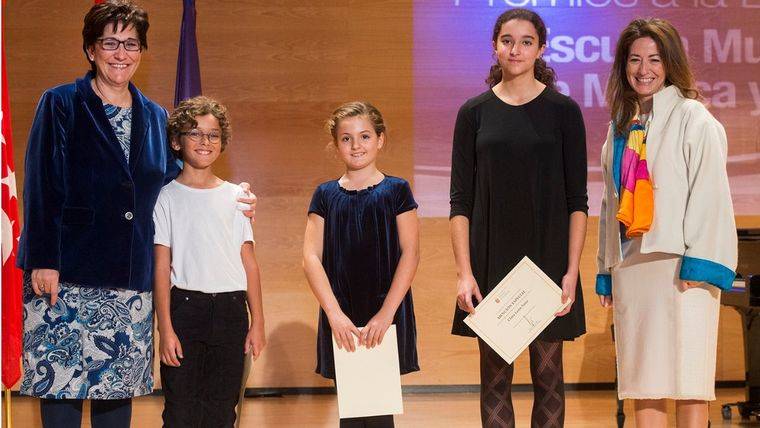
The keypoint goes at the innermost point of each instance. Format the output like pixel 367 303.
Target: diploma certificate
pixel 369 380
pixel 517 310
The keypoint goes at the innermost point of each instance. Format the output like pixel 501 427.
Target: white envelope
pixel 369 380
pixel 517 310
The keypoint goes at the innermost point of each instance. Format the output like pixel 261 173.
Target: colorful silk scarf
pixel 636 196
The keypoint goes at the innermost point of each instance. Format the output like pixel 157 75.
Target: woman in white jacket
pixel 667 237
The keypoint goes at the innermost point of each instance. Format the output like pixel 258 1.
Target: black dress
pixel 360 254
pixel 517 173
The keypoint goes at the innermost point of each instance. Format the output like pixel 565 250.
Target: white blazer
pixel 693 212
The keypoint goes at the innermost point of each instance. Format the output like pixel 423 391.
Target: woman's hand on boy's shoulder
pixel 256 340
pixel 250 199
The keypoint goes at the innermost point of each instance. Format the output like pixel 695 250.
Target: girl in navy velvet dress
pixel 361 249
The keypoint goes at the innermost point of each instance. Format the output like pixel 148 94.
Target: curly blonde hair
pixel 183 119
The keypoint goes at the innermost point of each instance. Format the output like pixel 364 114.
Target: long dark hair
pixel 621 97
pixel 542 72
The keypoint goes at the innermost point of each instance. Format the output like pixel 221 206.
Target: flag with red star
pixel 11 276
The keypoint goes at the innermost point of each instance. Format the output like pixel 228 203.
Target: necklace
pixel 101 94
pixel 519 97
pixel 365 184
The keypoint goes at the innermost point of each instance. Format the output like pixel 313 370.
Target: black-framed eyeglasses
pixel 112 44
pixel 196 136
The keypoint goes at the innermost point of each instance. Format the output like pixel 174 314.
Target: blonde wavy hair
pixel 354 109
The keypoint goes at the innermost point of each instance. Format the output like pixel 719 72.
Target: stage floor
pixel 584 409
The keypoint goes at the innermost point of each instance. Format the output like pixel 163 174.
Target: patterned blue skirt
pixel 95 343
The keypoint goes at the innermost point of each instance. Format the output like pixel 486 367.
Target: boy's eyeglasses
pixel 196 136
pixel 111 44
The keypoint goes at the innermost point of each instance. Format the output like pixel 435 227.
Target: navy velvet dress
pixel 360 253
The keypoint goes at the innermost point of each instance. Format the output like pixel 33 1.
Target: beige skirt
pixel 665 338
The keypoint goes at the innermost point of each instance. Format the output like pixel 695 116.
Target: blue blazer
pixel 87 213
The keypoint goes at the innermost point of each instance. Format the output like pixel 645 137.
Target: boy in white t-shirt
pixel 205 273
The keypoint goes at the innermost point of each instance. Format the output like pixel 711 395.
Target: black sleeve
pixel 463 164
pixel 404 198
pixel 574 158
pixel 173 165
pixel 43 186
pixel 317 205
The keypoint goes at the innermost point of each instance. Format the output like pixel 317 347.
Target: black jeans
pixel 203 390
pixel 383 421
pixel 103 413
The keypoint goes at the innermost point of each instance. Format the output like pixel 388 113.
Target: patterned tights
pixel 496 409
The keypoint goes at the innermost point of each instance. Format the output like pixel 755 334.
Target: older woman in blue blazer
pixel 96 160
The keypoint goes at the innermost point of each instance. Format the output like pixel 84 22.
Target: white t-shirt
pixel 205 230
